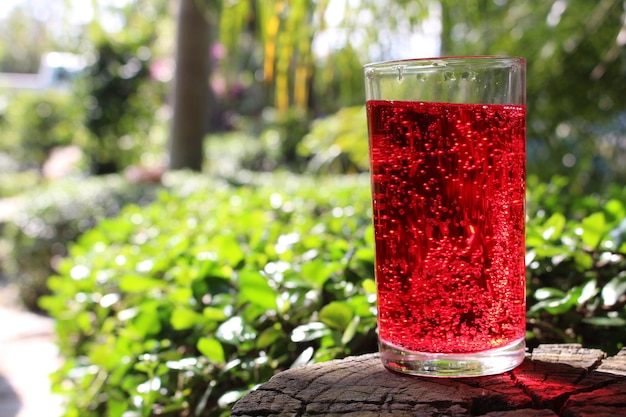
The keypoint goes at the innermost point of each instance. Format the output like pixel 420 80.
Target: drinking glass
pixel 448 161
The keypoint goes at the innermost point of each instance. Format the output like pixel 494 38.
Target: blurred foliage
pixel 576 64
pixel 310 53
pixel 114 110
pixel 184 305
pixel 54 214
pixel 574 51
pixel 280 138
pixel 304 58
pixel 336 144
pixel 34 123
pixel 13 183
pixel 24 41
pixel 120 97
pixel 232 154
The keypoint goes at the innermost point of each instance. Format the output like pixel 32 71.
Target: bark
pixel 191 92
pixel 555 380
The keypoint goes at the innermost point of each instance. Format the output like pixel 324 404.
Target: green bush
pixel 35 122
pixel 338 143
pixel 181 307
pixel 279 141
pixel 335 144
pixel 54 214
pixel 121 100
pixel 576 263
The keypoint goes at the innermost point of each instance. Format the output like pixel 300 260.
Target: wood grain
pixel 555 380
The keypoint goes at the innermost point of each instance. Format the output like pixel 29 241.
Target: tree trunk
pixel 191 92
pixel 555 380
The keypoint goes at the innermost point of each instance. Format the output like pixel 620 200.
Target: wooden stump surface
pixel 554 380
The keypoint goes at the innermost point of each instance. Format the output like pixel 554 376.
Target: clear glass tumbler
pixel 447 141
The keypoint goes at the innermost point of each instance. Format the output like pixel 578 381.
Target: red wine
pixel 448 185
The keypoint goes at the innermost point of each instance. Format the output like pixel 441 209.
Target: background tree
pixel 575 53
pixel 309 54
pixel 284 63
pixel 191 93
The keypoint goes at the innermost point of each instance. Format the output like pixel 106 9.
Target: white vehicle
pixel 55 72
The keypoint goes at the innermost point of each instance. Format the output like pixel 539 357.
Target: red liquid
pixel 448 184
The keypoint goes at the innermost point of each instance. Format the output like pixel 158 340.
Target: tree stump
pixel 554 380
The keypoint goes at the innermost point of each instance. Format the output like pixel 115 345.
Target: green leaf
pixel 364 254
pixel 147 321
pixel 605 321
pixel 214 314
pixel 554 227
pixel 555 301
pixel 546 293
pixel 181 295
pixel 254 288
pixel 212 349
pixel 594 229
pixel 616 208
pixel 369 285
pixel 351 330
pixel 231 397
pixel 336 315
pixel 583 261
pixel 614 290
pixel 235 331
pixel 304 357
pixel 533 236
pixel 589 290
pixel 183 318
pixel 228 249
pixel 562 305
pixel 316 272
pixel 548 251
pixel 269 336
pixel 139 283
pixel 117 407
pixel 308 332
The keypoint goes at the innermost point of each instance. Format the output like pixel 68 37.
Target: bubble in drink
pixel 448 184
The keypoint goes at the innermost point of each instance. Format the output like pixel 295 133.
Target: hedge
pixel 180 307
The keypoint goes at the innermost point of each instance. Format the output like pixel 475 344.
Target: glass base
pixel 453 365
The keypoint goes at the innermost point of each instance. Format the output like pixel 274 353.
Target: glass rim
pixel 446 62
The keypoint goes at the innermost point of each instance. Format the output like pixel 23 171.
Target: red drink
pixel 448 185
